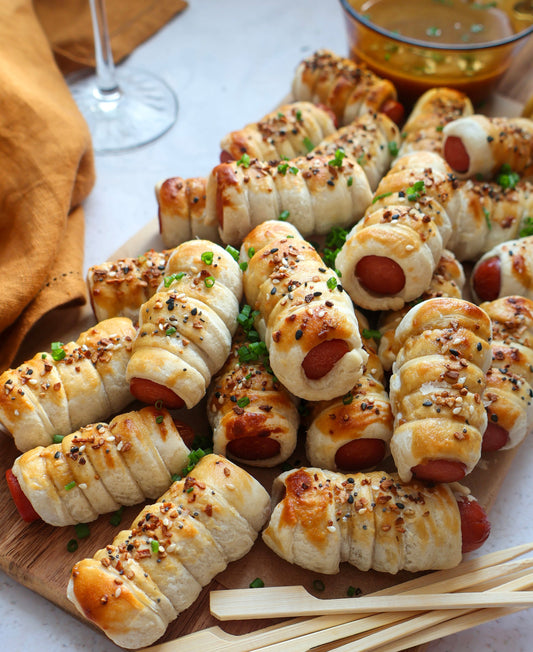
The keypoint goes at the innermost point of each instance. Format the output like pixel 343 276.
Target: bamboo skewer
pixel 214 638
pixel 295 602
pixel 390 627
pixel 290 601
pixel 419 625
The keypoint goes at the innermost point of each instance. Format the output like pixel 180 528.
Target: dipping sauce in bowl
pixel 419 44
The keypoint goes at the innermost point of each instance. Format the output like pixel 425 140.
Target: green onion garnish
pixel 244 161
pixel 58 353
pixel 82 530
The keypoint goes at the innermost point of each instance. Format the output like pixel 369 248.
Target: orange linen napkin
pixel 46 158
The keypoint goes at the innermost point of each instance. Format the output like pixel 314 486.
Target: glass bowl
pixel 420 44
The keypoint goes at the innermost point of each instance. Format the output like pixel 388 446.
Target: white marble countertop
pixel 230 63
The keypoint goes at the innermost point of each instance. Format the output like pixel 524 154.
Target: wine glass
pixel 124 107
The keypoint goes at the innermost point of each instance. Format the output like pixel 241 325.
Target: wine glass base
pixel 141 110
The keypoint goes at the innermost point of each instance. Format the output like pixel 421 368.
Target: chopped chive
pixel 244 161
pixel 158 404
pixel 116 517
pixel 487 218
pixel 209 281
pixel 57 439
pixel 207 257
pixel 70 485
pixel 284 216
pixel 257 583
pixel 168 280
pixel 382 196
pixel 371 333
pixel 527 227
pixel 72 545
pixel 154 546
pixel 332 283
pixel 58 353
pixel 82 530
pixel 170 330
pixel 308 144
pixel 159 418
pixel 231 250
pixel 338 158
pixel 243 401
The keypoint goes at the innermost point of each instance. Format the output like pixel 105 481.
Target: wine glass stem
pixel 105 68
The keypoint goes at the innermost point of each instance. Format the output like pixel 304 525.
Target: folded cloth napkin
pixel 46 155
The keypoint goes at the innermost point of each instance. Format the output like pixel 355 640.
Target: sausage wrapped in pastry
pixel 290 131
pixel 509 392
pixel 432 111
pixel 389 257
pixel 100 467
pixel 487 214
pixel 352 433
pixel 185 329
pixel 312 192
pixel 77 383
pixel 371 140
pixel 181 211
pixel 118 288
pixel 447 281
pixel 348 88
pixel 307 321
pixel 436 389
pixel 133 588
pixel 479 145
pixel 372 521
pixel 254 418
pixel 504 270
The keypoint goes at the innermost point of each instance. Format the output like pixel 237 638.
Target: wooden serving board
pixel 36 555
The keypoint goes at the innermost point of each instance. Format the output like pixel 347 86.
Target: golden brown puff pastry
pixel 291 130
pixel 77 383
pixel 504 270
pixel 432 111
pixel 509 393
pixel 254 418
pixel 306 319
pixel 436 389
pixel 136 586
pixel 349 89
pixel 118 288
pixel 389 257
pixel 371 140
pixel 371 520
pixel 312 192
pixel 185 329
pixel 478 145
pixel 487 214
pixel 181 211
pixel 102 466
pixel 352 433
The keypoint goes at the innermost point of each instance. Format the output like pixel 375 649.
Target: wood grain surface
pixel 36 555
